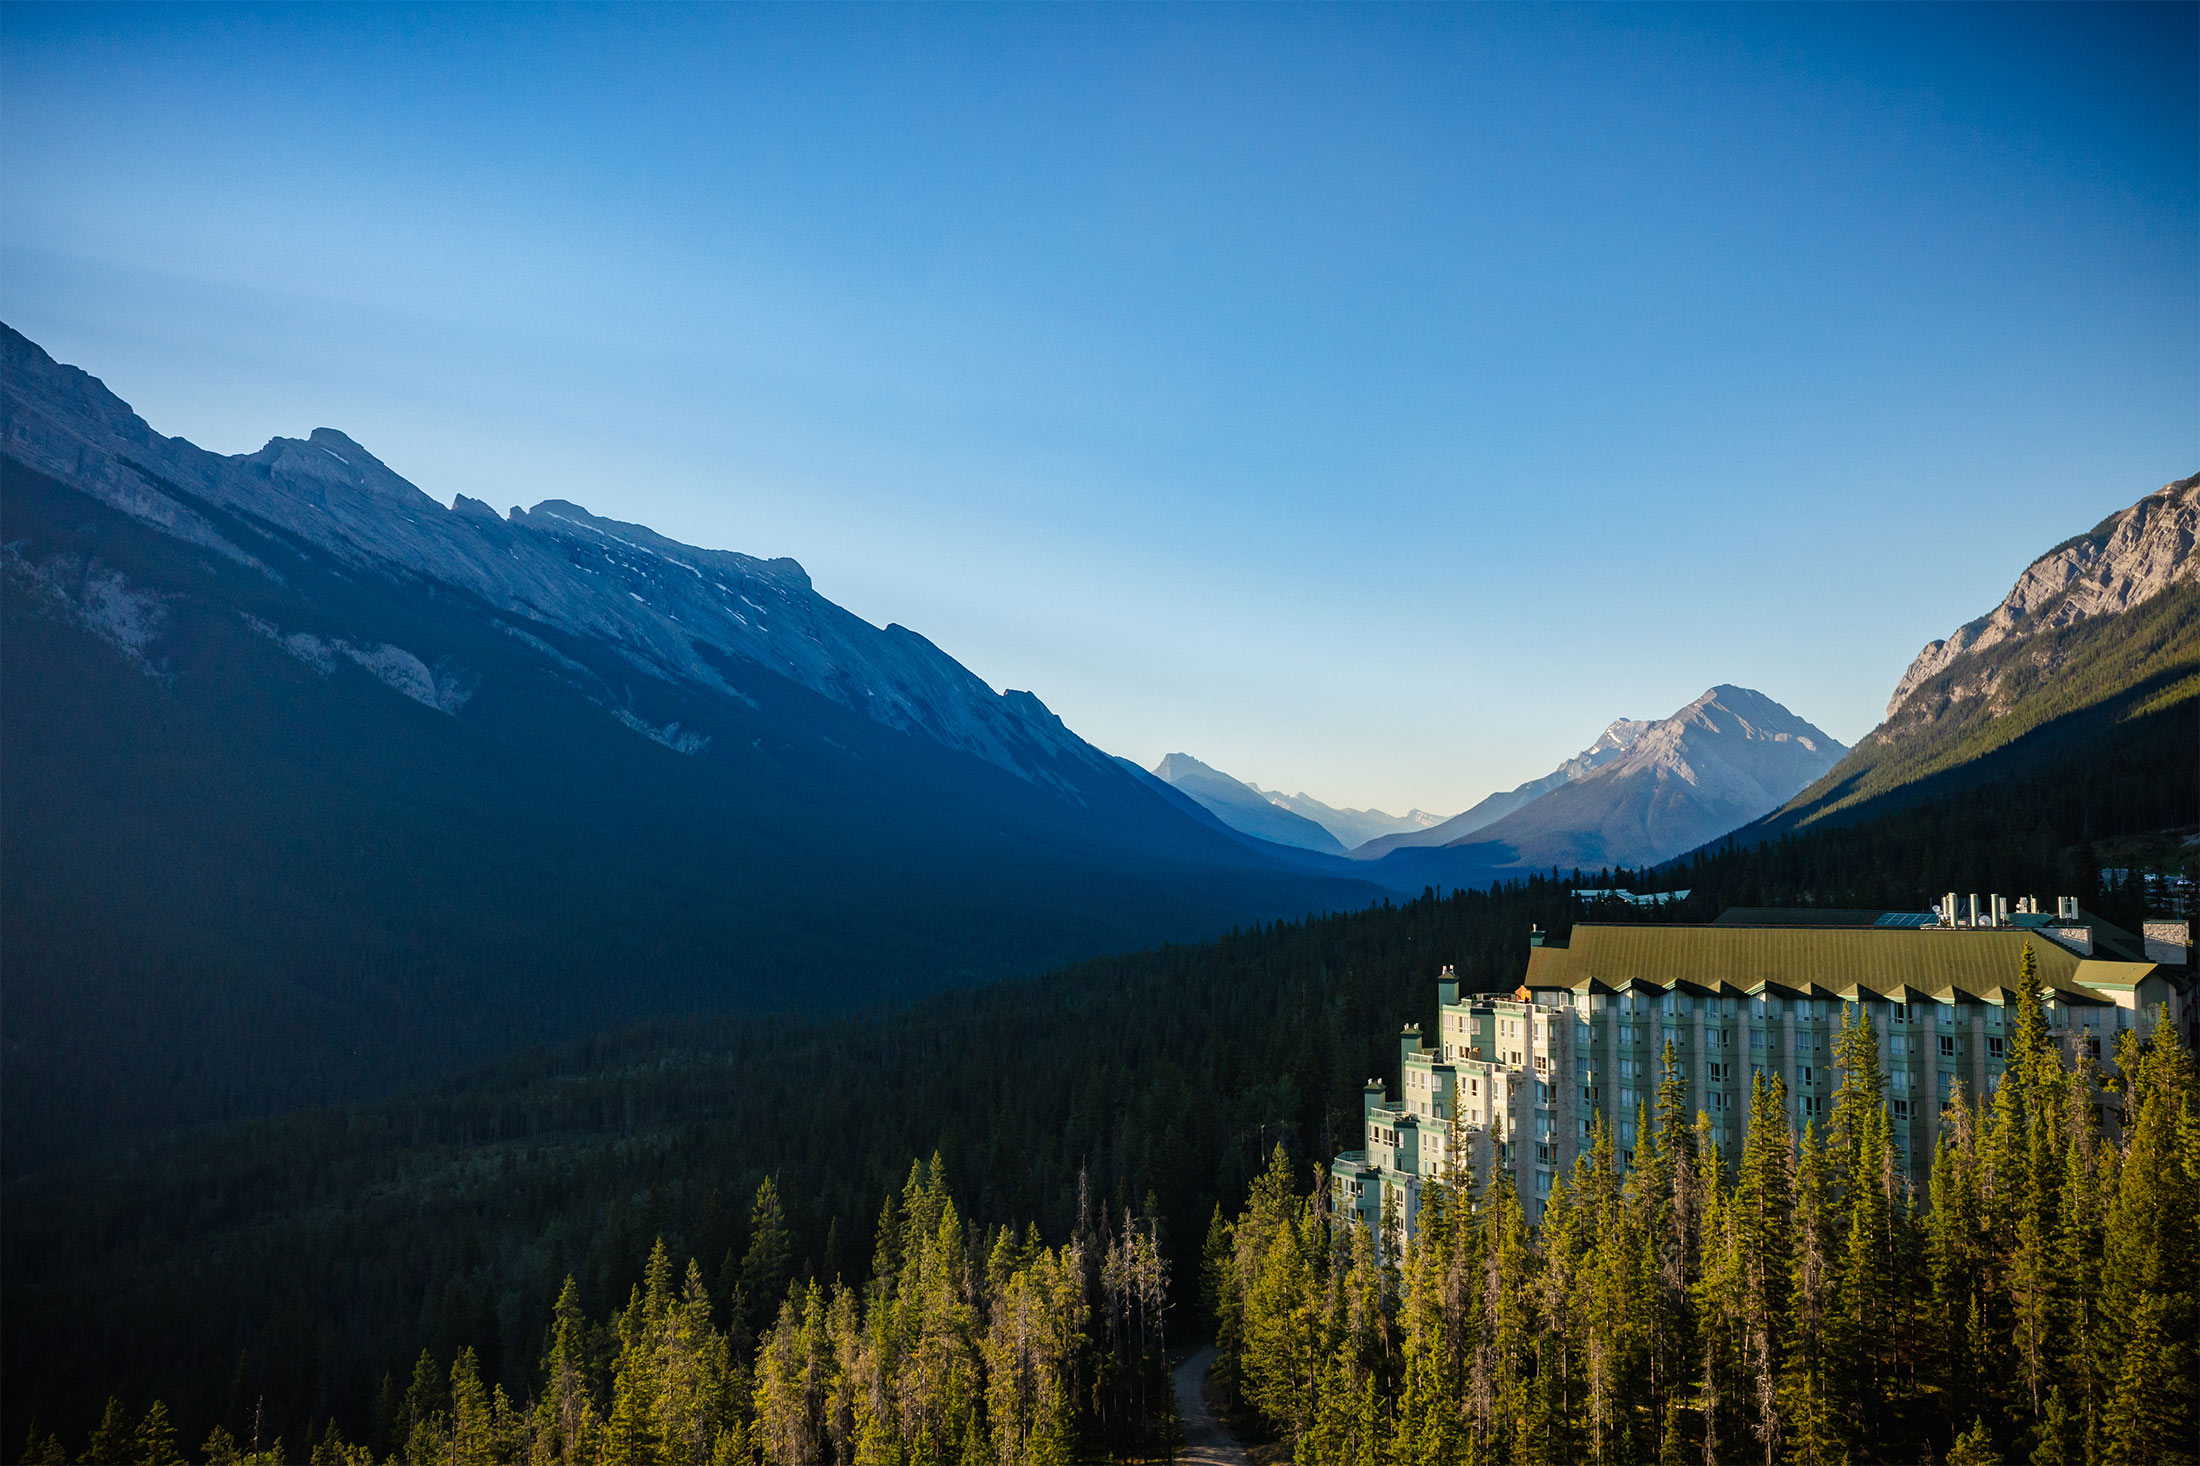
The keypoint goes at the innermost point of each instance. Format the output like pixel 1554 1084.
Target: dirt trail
pixel 1206 1442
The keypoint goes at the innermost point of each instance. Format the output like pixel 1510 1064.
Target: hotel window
pixel 1901 1109
pixel 1756 1038
pixel 1947 1046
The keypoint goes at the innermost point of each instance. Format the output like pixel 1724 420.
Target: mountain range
pixel 1643 792
pixel 1244 808
pixel 1725 759
pixel 315 786
pixel 1352 827
pixel 1610 744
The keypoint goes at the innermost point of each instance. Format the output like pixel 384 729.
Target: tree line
pixel 983 1347
pixel 1797 1302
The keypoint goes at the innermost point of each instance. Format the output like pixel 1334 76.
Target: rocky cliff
pixel 672 611
pixel 2125 560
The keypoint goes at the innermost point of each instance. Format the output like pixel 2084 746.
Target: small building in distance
pixel 1517 1080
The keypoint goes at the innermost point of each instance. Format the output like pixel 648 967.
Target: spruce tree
pixel 155 1438
pixel 1761 1223
pixel 766 1265
pixel 113 1439
pixel 2152 1246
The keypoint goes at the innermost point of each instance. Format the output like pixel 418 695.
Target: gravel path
pixel 1206 1442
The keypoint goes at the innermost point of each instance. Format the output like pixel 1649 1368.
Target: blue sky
pixel 1374 402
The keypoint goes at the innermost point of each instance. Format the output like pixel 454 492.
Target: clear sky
pixel 1371 402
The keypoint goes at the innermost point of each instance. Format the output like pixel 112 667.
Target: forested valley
pixel 964 1346
pixel 268 1277
pixel 1795 1303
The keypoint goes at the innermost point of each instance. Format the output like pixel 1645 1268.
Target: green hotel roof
pixel 1828 962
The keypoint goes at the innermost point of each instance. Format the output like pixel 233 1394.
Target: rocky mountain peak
pixel 307 468
pixel 2127 558
pixel 670 610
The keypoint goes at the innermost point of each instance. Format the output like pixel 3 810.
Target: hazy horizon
pixel 1368 403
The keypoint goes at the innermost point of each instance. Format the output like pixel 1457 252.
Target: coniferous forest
pixel 1794 1303
pixel 965 1346
pixel 226 1286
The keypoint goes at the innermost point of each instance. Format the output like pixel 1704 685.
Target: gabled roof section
pixel 1975 965
pixel 2093 972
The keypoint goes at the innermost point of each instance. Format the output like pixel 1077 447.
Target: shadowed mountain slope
pixel 314 787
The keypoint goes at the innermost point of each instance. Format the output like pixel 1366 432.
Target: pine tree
pixel 1762 1222
pixel 769 1260
pixel 42 1448
pixel 1718 1295
pixel 1816 1433
pixel 113 1439
pixel 471 1442
pixel 566 1417
pixel 2152 1246
pixel 155 1444
pixel 221 1447
pixel 1975 1447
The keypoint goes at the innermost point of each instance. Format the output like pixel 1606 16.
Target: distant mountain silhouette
pixel 1243 807
pixel 1610 744
pixel 1724 760
pixel 1352 827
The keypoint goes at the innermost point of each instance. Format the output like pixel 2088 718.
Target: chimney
pixel 1974 909
pixel 1447 986
pixel 1535 936
pixel 2066 908
pixel 1409 1041
pixel 1948 913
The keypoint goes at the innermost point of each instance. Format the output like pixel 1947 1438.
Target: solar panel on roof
pixel 1908 918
